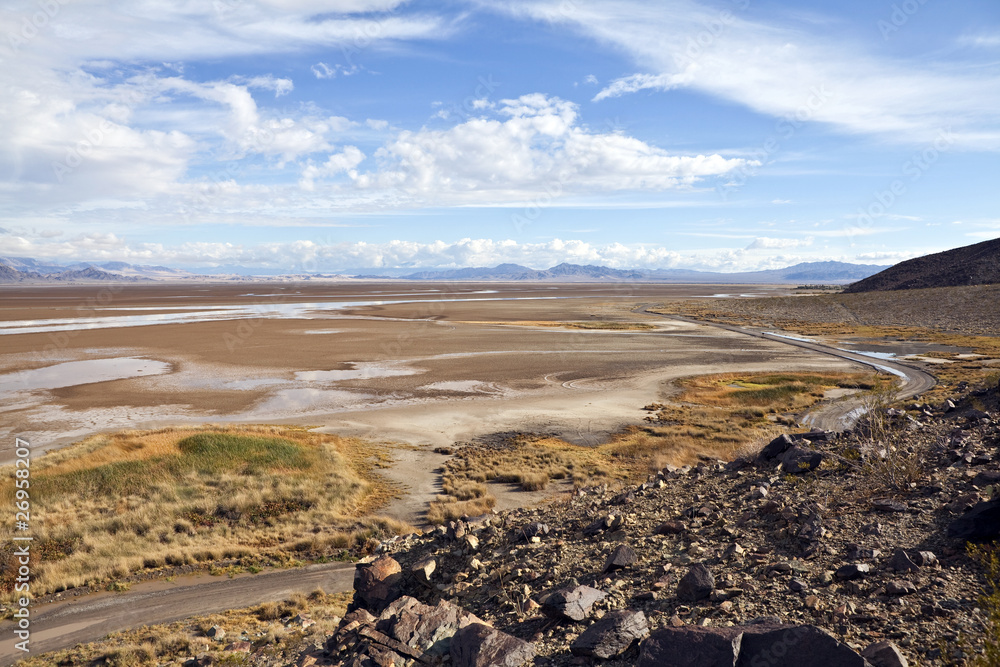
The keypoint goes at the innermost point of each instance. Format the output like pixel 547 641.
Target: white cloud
pixel 323 71
pixel 766 243
pixel 343 162
pixel 783 71
pixel 534 146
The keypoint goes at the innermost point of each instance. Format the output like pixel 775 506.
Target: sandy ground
pixel 446 365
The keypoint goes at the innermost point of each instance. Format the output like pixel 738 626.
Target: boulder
pixel 480 645
pixel 423 628
pixel 697 584
pixel 797 461
pixel 612 635
pixel 979 524
pixel 900 562
pixel 776 447
pixel 852 571
pixel 670 528
pixel 794 647
pixel 622 557
pixel 573 603
pixel 884 654
pixel 536 529
pixel 378 583
pixel 689 646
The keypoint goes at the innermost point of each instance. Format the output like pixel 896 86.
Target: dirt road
pixel 841 414
pixel 64 624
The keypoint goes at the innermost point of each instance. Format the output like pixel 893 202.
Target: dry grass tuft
pixel 114 504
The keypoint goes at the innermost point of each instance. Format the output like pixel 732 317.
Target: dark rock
pixel 216 632
pixel 610 522
pixel 535 529
pixel 422 628
pixel 378 583
pixel 986 478
pixel 852 571
pixel 979 524
pixel 776 447
pixel 670 528
pixel 797 461
pixel 888 505
pixel 691 647
pixel 898 587
pixel 795 647
pixel 697 584
pixel 612 635
pixel 900 562
pixel 884 654
pixel 423 570
pixel 479 645
pixel 925 558
pixel 797 585
pixel 572 603
pixel 622 557
pixel 457 530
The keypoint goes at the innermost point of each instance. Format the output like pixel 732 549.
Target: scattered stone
pixel 900 587
pixel 884 654
pixel 215 632
pixel 378 583
pixel 612 635
pixel 798 461
pixel 531 530
pixel 888 505
pixel 610 522
pixel 479 645
pixel 852 571
pixel 786 647
pixel 622 557
pixel 691 647
pixel 574 604
pixel 776 447
pixel 670 528
pixel 979 524
pixel 900 562
pixel 423 569
pixel 241 646
pixel 925 559
pixel 697 584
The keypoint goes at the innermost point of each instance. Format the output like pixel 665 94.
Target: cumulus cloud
pixel 766 243
pixel 532 145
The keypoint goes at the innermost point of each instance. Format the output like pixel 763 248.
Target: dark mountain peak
pixel 977 264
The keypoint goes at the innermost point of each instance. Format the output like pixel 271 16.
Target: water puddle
pixel 359 370
pixel 887 356
pixel 72 373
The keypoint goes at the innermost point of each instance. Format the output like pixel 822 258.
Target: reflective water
pixel 72 373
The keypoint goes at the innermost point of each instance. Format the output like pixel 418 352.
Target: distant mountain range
pixel 23 269
pixel 809 272
pixel 977 264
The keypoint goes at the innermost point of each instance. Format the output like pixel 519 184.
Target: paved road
pixel 841 414
pixel 62 625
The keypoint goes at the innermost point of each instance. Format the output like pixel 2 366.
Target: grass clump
pixel 114 504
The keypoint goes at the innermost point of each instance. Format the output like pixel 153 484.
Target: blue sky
pixel 725 135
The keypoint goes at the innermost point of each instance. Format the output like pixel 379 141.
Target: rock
pixel 852 571
pixel 688 646
pixel 612 635
pixel 776 447
pixel 797 585
pixel 979 524
pixel 610 522
pixel 536 529
pixel 900 562
pixel 925 559
pixel 622 557
pixel 572 603
pixel 216 632
pixel 456 530
pixel 888 505
pixel 480 645
pixel 378 583
pixel 239 647
pixel 884 654
pixel 798 461
pixel 670 528
pixel 200 661
pixel 423 569
pixel 697 584
pixel 795 647
pixel 899 587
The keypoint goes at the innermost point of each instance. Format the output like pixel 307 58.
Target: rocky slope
pixel 977 264
pixel 822 549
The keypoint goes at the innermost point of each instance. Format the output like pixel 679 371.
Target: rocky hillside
pixel 823 549
pixel 977 264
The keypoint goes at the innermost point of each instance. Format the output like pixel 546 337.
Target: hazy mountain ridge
pixel 23 269
pixel 977 264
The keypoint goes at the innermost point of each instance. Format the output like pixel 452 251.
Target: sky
pixel 324 135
